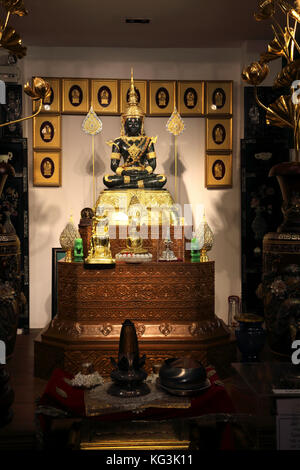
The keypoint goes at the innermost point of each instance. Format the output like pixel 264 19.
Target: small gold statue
pixel 134 251
pixel 100 252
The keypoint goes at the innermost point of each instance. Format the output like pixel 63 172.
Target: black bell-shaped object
pixel 128 375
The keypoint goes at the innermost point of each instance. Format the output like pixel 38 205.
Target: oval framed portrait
pixel 47 167
pixel 190 98
pixel 219 134
pixel 162 98
pixel 75 95
pixel 219 98
pixel 218 170
pixel 46 131
pixel 104 96
pixel 137 94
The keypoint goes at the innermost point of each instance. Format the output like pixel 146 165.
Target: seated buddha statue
pixel 135 150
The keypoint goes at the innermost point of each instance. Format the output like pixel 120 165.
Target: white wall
pixel 50 208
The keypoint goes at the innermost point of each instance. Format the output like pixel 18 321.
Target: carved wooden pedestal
pixel 280 290
pixel 171 304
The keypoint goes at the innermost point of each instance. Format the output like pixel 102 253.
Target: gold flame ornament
pixel 92 125
pixel 175 126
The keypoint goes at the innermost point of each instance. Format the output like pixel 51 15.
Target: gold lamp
pixel 11 40
pixel 285 111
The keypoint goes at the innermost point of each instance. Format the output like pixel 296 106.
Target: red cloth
pixel 74 400
pixel 213 400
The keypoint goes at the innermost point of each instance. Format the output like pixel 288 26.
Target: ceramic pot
pixel 288 177
pixel 250 337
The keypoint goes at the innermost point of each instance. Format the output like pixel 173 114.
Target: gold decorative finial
pixel 132 84
pixel 133 108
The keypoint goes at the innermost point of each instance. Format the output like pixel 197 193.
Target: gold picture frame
pixel 75 96
pixel 52 104
pixel 46 168
pixel 218 171
pixel 141 90
pixel 105 96
pixel 162 97
pixel 218 134
pixel 218 97
pixel 47 131
pixel 190 98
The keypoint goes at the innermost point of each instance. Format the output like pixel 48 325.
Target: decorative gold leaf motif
pixel 276 48
pixel 11 40
pixel 284 109
pixel 288 74
pixel 175 124
pixel 255 73
pixel 266 10
pixel 92 125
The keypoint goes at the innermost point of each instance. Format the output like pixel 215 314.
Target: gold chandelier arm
pixel 283 46
pixel 266 108
pixel 6 20
pixel 296 130
pixel 25 118
pixel 294 42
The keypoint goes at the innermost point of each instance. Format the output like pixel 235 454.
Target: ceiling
pixel 174 23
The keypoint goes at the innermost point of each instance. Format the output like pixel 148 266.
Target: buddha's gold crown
pixel 133 108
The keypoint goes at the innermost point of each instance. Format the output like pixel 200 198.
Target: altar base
pixel 171 305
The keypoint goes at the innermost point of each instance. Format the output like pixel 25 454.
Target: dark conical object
pixel 128 375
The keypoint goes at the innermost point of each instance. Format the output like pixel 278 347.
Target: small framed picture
pixel 75 96
pixel 52 104
pixel 47 131
pixel 162 97
pixel 190 98
pixel 140 89
pixel 46 168
pixel 218 97
pixel 105 96
pixel 218 134
pixel 218 171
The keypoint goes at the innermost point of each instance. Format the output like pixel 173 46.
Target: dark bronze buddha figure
pixel 137 151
